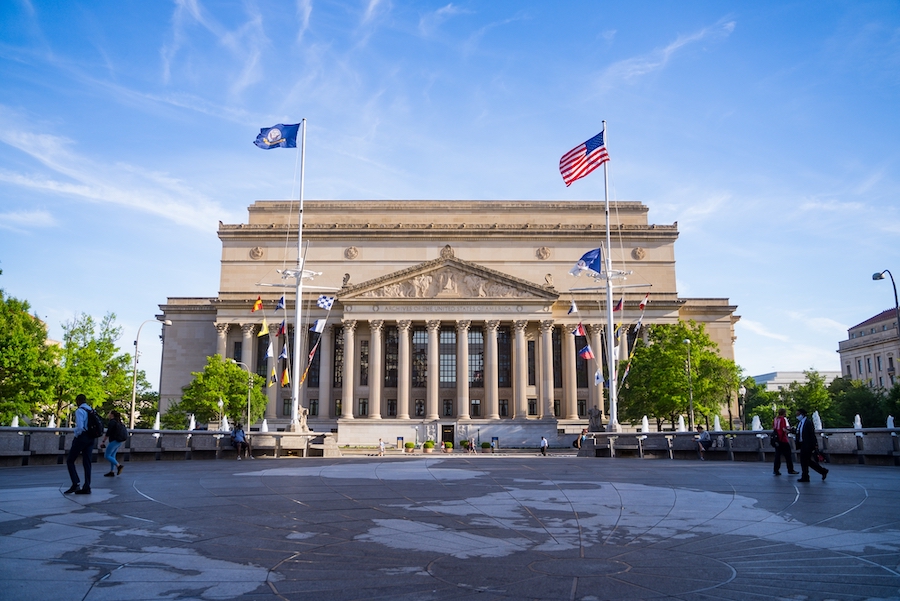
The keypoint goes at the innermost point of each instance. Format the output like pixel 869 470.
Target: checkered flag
pixel 325 302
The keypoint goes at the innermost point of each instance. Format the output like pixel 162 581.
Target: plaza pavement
pixel 458 527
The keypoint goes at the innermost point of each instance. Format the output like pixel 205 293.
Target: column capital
pixel 222 328
pixel 493 325
pixel 547 326
pixel 520 325
pixel 249 328
pixel 404 325
pixel 462 325
pixel 594 328
pixel 349 325
pixel 433 325
pixel 273 329
pixel 376 325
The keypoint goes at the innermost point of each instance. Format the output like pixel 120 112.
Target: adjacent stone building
pixel 870 352
pixel 452 318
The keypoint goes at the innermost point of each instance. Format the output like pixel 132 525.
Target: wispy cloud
pixel 819 324
pixel 114 183
pixel 634 68
pixel 304 10
pixel 373 8
pixel 20 221
pixel 760 330
pixel 432 20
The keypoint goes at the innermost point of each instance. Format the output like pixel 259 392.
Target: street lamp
pixel 880 276
pixel 741 405
pixel 165 322
pixel 249 386
pixel 687 341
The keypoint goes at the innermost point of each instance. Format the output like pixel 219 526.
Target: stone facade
pixel 479 290
pixel 871 350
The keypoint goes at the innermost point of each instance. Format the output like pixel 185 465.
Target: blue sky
pixel 767 130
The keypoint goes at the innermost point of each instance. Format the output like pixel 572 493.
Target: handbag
pixel 773 439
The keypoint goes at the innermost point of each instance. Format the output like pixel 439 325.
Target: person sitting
pixel 240 441
pixel 703 442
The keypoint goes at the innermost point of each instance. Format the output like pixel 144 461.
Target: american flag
pixel 583 159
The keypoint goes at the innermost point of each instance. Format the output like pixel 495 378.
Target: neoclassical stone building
pixel 452 318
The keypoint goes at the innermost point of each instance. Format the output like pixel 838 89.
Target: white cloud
pixel 432 20
pixel 760 330
pixel 824 325
pixel 304 10
pixel 25 220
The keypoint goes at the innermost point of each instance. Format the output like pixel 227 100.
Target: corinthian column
pixel 222 338
pixel 376 378
pixel 247 347
pixel 547 389
pixel 596 333
pixel 491 385
pixel 326 376
pixel 271 391
pixel 403 369
pixel 462 368
pixel 569 410
pixel 349 389
pixel 433 373
pixel 521 371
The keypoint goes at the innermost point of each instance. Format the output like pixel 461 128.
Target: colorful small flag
pixel 273 378
pixel 283 354
pixel 282 329
pixel 586 353
pixel 270 351
pixel 285 378
pixel 278 136
pixel 257 305
pixel 645 301
pixel 318 327
pixel 573 308
pixel 598 378
pixel 618 306
pixel 589 262
pixel 583 159
pixel 312 353
pixel 325 302
pixel 579 330
pixel 263 329
pixel 280 303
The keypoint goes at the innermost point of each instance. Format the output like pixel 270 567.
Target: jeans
pixel 110 455
pixel 82 445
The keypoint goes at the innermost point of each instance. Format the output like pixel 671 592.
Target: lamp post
pixel 880 276
pixel 687 341
pixel 165 322
pixel 249 387
pixel 742 391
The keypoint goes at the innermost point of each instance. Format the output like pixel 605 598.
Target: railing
pixel 37 446
pixel 877 446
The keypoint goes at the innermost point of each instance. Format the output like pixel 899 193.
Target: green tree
pixel 220 379
pixel 28 362
pixel 854 397
pixel 92 365
pixel 811 395
pixel 658 384
pixel 758 403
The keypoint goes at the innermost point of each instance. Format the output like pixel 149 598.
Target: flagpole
pixel 295 364
pixel 613 422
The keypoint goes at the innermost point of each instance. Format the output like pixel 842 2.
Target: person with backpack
pixel 88 428
pixel 116 434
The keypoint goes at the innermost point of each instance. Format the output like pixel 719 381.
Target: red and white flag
pixel 583 159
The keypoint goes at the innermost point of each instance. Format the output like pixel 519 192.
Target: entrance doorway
pixel 447 434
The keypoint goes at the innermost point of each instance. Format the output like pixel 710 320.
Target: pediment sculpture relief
pixel 446 283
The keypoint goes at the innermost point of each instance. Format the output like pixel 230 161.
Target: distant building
pixel 777 380
pixel 870 352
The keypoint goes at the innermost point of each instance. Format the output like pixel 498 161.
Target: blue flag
pixel 280 303
pixel 590 262
pixel 279 136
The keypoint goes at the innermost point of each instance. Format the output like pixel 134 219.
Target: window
pixel 880 381
pixel 420 408
pixel 447 352
pixel 557 359
pixel 848 370
pixel 878 362
pixel 261 347
pixel 582 408
pixel 868 364
pixel 532 406
pixel 419 357
pixel 392 407
pixel 337 407
pixel 532 369
pixel 286 407
pixel 313 407
pixel 363 362
pixel 476 408
pixel 391 356
pixel 581 364
pixel 476 357
pixel 859 370
pixel 313 376
pixel 363 407
pixel 337 375
pixel 238 350
pixel 504 408
pixel 890 364
pixel 504 358
pixel 448 408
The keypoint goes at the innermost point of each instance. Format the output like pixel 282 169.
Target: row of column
pixel 544 350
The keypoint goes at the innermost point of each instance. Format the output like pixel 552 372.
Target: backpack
pixel 94 425
pixel 119 432
pixel 773 439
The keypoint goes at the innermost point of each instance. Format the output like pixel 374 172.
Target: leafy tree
pixel 811 395
pixel 91 365
pixel 220 379
pixel 658 384
pixel 758 403
pixel 28 363
pixel 853 397
pixel 892 403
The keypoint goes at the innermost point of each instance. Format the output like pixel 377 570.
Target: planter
pixel 427 449
pixel 409 450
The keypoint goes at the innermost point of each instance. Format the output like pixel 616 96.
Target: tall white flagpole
pixel 295 365
pixel 613 423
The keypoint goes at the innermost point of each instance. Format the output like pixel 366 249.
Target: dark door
pixel 447 434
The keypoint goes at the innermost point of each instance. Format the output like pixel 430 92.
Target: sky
pixel 767 130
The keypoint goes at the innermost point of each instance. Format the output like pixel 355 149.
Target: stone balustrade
pixel 41 446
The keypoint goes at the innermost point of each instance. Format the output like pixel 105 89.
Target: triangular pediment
pixel 447 278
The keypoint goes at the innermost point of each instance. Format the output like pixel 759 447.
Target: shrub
pixel 448 445
pixel 428 444
pixel 485 445
pixel 410 445
pixel 465 444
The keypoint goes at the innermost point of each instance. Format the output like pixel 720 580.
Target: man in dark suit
pixel 807 446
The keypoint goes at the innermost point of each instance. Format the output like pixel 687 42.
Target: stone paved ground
pixel 461 528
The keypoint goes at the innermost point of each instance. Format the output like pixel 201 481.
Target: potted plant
pixel 428 446
pixel 485 446
pixel 465 444
pixel 410 447
pixel 448 447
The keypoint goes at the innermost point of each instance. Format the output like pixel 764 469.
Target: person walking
pixel 116 434
pixel 781 428
pixel 83 445
pixel 808 447
pixel 544 445
pixel 380 447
